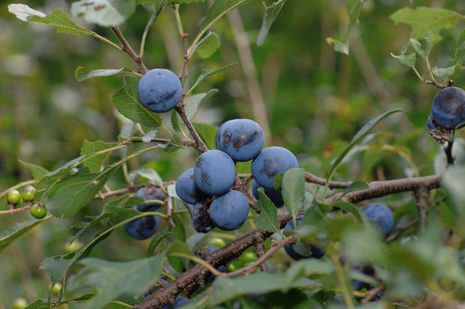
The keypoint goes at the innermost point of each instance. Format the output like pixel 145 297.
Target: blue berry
pixel 270 162
pixel 153 194
pixel 316 252
pixel 211 249
pixel 241 139
pixel 449 107
pixel 200 220
pixel 229 211
pixel 275 195
pixel 214 172
pixel 380 216
pixel 142 228
pixel 159 90
pixel 186 188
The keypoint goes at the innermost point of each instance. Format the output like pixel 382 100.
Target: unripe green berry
pixel 38 211
pixel 73 247
pixel 217 242
pixel 28 193
pixel 19 303
pixel 231 267
pixel 14 197
pixel 247 257
pixel 56 288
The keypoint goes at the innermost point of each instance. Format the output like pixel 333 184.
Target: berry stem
pixel 127 48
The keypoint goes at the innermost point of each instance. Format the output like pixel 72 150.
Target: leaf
pixel 113 279
pixel 423 20
pixel 56 19
pixel 7 236
pixel 60 172
pixel 82 74
pixel 350 208
pixel 269 16
pixel 147 174
pixel 267 219
pixel 294 191
pixel 38 172
pixel 358 137
pixel 207 132
pixel 217 10
pixel 193 102
pixel 127 103
pixel 224 288
pixel 453 182
pixel 356 185
pixel 106 13
pixel 338 45
pixel 95 162
pixel 444 72
pixel 24 12
pixel 418 48
pixel 406 59
pixel 207 73
pixel 208 45
pixel 162 236
pixel 73 193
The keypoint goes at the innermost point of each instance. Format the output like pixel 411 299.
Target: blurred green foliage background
pixel 316 99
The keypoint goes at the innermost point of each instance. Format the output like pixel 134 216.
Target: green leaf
pixel 406 59
pixel 208 45
pixel 444 72
pixel 9 235
pixel 217 10
pixel 355 186
pixel 224 288
pixel 423 20
pixel 82 74
pixel 127 103
pixel 207 132
pixel 364 245
pixel 267 219
pixel 95 162
pixel 60 172
pixel 73 193
pixel 358 137
pixel 162 236
pixel 38 172
pixel 294 191
pixel 269 16
pixel 113 279
pixel 350 208
pixel 56 19
pixel 418 48
pixel 453 182
pixel 193 102
pixel 147 174
pixel 106 13
pixel 207 73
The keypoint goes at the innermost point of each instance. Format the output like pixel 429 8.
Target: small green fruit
pixel 56 288
pixel 14 197
pixel 19 303
pixel 247 257
pixel 38 211
pixel 73 247
pixel 231 267
pixel 29 193
pixel 217 242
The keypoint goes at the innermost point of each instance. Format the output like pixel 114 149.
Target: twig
pixel 421 195
pixel 400 229
pixel 382 188
pixel 371 294
pixel 15 210
pixel 321 181
pixel 448 151
pixel 126 47
pixel 106 195
pixel 260 250
pixel 180 109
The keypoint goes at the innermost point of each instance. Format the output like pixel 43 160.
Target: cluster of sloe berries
pixel 26 198
pixel 145 227
pixel 448 109
pixel 209 185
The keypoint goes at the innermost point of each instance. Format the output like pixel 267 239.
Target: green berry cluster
pixel 26 198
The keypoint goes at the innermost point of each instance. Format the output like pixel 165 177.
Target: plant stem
pixel 126 47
